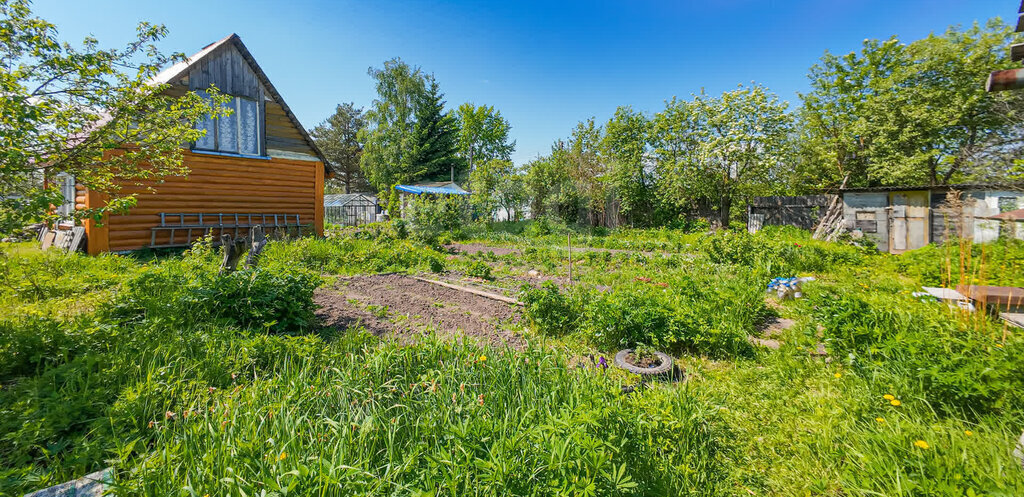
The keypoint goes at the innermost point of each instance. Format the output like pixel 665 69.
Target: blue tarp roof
pixel 433 189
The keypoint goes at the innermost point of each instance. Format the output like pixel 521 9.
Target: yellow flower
pixel 880 419
pixel 999 345
pixel 895 402
pixel 838 375
pixel 483 358
pixel 921 444
pixel 888 397
pixel 284 455
pixel 968 432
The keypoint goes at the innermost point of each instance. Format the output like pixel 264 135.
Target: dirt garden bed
pixel 399 305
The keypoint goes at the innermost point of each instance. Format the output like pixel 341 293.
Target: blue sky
pixel 545 64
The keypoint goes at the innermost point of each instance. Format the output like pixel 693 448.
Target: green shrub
pixel 779 251
pixel 277 297
pixel 432 217
pixel 705 313
pixel 957 363
pixel 549 310
pixel 999 263
pixel 479 269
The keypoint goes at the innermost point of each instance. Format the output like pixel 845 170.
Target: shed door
pixel 909 221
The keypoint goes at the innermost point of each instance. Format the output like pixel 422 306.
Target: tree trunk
pixel 724 209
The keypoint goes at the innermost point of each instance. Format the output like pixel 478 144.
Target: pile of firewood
pixel 831 225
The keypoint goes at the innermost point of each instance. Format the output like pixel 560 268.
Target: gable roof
pixel 181 69
pixel 961 186
pixel 342 199
pixel 433 188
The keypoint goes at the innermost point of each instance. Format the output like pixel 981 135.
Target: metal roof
pixel 1014 215
pixel 180 70
pixel 962 186
pixel 439 188
pixel 341 199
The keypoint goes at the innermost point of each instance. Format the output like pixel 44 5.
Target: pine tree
pixel 435 138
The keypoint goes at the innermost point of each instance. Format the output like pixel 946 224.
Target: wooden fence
pixel 801 211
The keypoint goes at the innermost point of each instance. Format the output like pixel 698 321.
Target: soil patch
pixel 395 304
pixel 476 248
pixel 643 362
pixel 774 327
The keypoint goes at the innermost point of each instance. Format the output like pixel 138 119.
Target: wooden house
pixel 257 166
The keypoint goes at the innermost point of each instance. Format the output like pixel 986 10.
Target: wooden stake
pixel 568 241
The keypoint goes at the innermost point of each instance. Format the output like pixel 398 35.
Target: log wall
pixel 215 184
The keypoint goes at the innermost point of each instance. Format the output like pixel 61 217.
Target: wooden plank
pixel 1017 52
pixel 1009 79
pixel 97 237
pixel 222 190
pixel 994 295
pixel 473 291
pixel 212 188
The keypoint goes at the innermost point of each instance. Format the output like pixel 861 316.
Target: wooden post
pixel 233 250
pixel 97 237
pixel 568 241
pixel 259 240
pixel 318 197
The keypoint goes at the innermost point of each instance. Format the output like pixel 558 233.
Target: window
pixel 238 133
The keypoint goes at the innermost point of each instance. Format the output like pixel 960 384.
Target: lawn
pixel 331 369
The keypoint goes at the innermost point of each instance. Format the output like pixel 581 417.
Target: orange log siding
pixel 215 184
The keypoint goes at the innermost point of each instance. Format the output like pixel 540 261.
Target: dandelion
pixel 483 358
pixel 888 396
pixel 895 402
pixel 921 444
pixel 968 432
pixel 838 375
pixel 283 456
pixel 880 419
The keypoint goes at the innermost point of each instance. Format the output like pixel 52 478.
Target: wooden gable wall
pixel 232 73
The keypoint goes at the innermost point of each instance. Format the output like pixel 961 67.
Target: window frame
pixel 236 115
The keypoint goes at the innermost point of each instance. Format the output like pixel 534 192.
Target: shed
pixel 350 209
pixel 801 211
pixel 430 189
pixel 901 218
pixel 257 166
